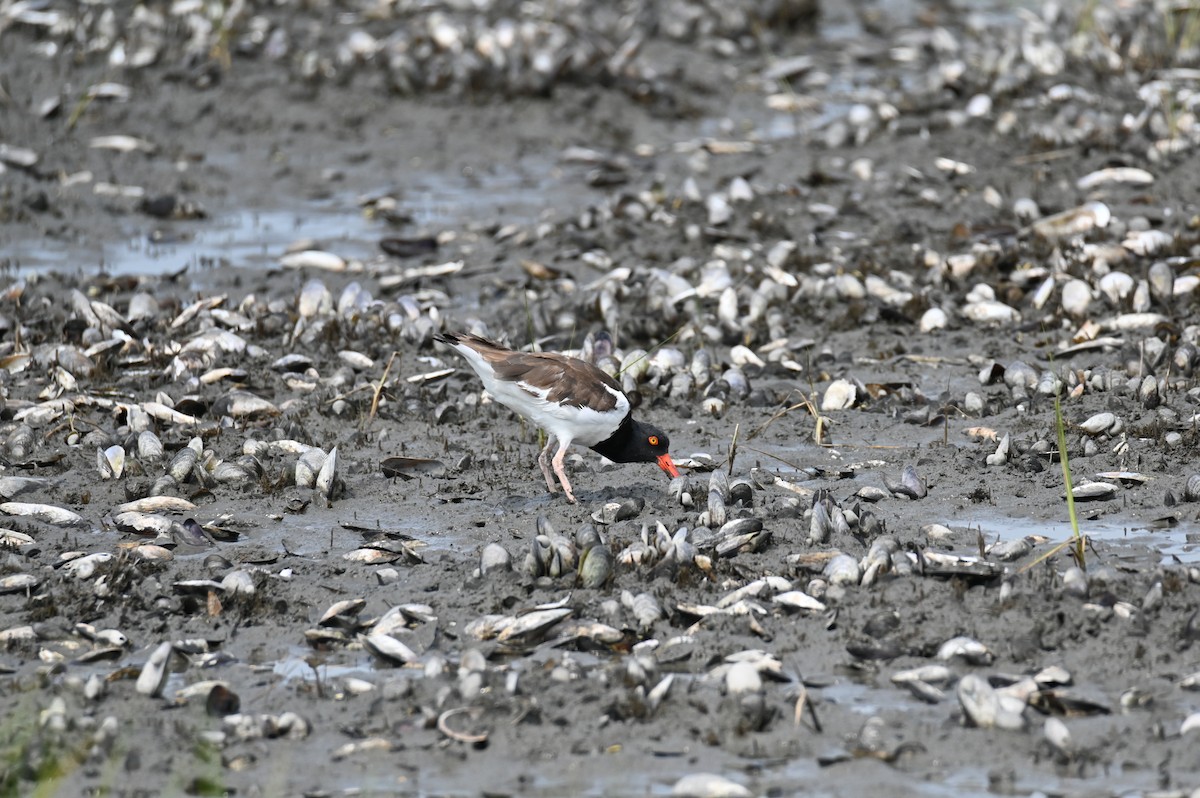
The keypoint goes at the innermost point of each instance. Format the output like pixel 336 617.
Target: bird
pixel 571 399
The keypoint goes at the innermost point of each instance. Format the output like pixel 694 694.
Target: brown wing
pixel 570 381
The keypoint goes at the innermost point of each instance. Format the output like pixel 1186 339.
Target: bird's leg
pixel 544 462
pixel 562 473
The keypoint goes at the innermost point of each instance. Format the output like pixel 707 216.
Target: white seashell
pixel 719 210
pixel 979 105
pixel 739 190
pixel 1073 222
pixel 153 677
pixel 308 466
pixel 1116 287
pixel 840 395
pixel 1147 242
pixel 1043 293
pixel 239 583
pixel 930 674
pixel 157 504
pixel 862 168
pixel 744 356
pixel 778 256
pixel 1185 285
pixel 46 513
pixel 12 539
pixel 847 286
pixel 986 708
pixel 1133 321
pixel 85 567
pixel 1000 457
pixel 1099 424
pixel 1094 490
pixel 727 308
pixel 110 462
pixel 798 600
pixel 1057 734
pixel 743 677
pixel 314 299
pixel 1114 174
pixel 708 785
pixel 968 649
pixel 933 319
pixel 326 482
pixel 19 583
pixel 990 312
pixel 1026 209
pixel 494 558
pixel 953 167
pixel 163 413
pixel 1076 296
pixel 356 360
pixel 960 265
pixel 150 447
pixel 120 143
pixel 313 259
pixel 645 608
pixel 843 570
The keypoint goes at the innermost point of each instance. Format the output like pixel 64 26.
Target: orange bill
pixel 665 463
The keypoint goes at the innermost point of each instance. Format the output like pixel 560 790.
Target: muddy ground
pixel 560 713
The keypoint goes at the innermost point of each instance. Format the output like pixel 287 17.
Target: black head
pixel 636 442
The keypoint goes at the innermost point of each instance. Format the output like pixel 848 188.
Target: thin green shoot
pixel 1060 427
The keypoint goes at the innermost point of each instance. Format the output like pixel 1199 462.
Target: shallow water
pixel 257 237
pixel 1180 543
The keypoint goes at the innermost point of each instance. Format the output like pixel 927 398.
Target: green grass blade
pixel 1066 469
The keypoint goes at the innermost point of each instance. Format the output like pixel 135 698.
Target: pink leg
pixel 562 473
pixel 544 462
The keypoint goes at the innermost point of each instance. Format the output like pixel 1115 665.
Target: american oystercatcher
pixel 571 399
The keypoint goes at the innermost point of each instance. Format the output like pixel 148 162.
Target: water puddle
pixel 257 237
pixel 1176 543
pixel 300 665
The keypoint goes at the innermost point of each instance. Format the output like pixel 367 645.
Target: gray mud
pixel 257 154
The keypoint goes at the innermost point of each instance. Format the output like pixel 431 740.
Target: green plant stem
pixel 1066 469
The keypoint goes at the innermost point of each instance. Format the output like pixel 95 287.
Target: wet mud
pixel 847 264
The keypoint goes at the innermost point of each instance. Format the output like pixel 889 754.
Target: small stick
pixel 379 390
pixel 733 447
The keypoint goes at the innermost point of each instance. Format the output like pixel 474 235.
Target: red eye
pixel 652 440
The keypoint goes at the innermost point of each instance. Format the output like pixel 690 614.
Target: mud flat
pixel 261 535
